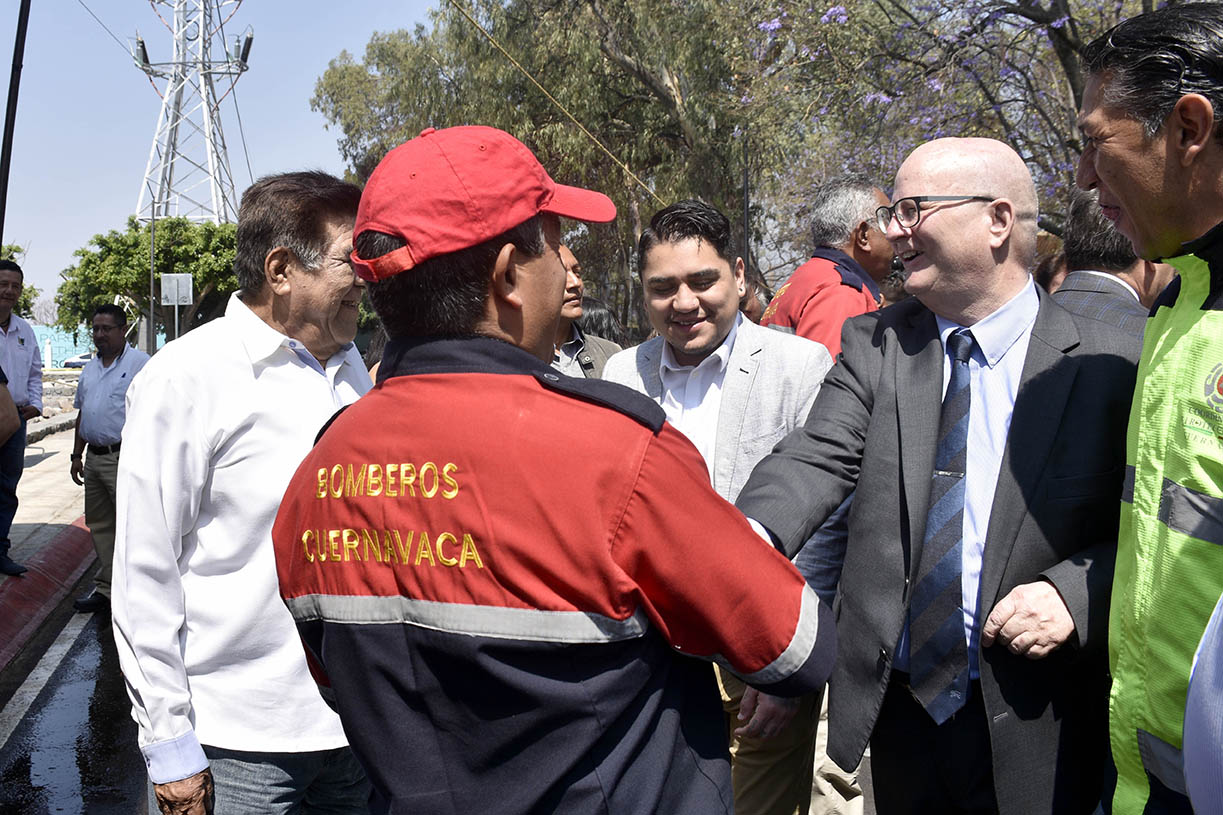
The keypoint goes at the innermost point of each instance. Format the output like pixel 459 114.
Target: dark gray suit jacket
pixel 1102 298
pixel 1055 516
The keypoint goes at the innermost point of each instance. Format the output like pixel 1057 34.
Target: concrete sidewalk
pixel 48 536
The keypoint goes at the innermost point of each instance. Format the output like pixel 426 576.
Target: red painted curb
pixel 27 601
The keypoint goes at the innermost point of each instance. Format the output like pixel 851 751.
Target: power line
pixel 233 88
pixel 104 28
pixel 552 99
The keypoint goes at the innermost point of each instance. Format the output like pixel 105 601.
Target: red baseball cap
pixel 455 188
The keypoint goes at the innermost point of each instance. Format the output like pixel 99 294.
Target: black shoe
pixel 92 602
pixel 11 567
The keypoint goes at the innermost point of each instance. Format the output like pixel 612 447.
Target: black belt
pixel 103 449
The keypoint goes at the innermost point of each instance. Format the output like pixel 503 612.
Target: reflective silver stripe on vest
pixel 1127 486
pixel 483 621
pixel 798 651
pixel 1163 761
pixel 1191 513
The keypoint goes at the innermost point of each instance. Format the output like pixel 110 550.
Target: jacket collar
pixel 474 354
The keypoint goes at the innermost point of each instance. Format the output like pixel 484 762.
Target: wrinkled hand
pixel 1032 620
pixel 765 715
pixel 78 471
pixel 29 412
pixel 190 796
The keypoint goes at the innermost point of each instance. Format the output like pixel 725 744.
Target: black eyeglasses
pixel 907 211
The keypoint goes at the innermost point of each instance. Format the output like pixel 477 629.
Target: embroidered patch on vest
pixel 1214 388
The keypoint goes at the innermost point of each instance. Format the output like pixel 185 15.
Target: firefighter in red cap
pixel 506 579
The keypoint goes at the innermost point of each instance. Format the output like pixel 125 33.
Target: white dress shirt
pixel 692 394
pixel 22 363
pixel 100 395
pixel 218 421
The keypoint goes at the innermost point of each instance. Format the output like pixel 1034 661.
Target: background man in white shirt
pixel 99 425
pixel 734 389
pixel 217 423
pixel 22 363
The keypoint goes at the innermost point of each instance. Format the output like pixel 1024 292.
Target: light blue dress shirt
pixel 995 369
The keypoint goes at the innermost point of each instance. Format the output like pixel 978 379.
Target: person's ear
pixel 276 269
pixel 739 278
pixel 1191 126
pixel 862 236
pixel 506 279
pixel 1001 222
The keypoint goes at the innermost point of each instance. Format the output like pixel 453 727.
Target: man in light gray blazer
pixel 735 390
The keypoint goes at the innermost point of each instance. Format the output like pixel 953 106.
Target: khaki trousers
pixel 771 776
pixel 100 474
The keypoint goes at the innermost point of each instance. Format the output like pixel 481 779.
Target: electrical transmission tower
pixel 188 173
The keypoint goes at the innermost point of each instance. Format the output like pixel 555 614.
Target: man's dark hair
pixel 443 296
pixel 1150 61
pixel 598 319
pixel 290 210
pixel 838 207
pixel 683 220
pixel 11 266
pixel 114 311
pixel 1091 241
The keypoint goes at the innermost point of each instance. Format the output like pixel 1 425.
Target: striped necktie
pixel 938 654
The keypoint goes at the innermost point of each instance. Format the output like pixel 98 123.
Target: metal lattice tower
pixel 188 173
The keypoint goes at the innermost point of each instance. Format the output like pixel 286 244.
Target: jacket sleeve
pixel 161 477
pixel 710 584
pixel 793 490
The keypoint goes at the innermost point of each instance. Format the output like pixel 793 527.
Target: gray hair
pixel 838 207
pixel 1091 241
pixel 1150 61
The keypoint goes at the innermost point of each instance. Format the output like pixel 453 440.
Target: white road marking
pixel 15 710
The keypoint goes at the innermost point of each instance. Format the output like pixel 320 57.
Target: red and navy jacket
pixel 820 296
pixel 501 576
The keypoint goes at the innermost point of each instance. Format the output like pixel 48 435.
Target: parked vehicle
pixel 78 361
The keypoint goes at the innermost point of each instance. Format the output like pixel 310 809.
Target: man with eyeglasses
pixel 99 401
pixel 981 425
pixel 217 421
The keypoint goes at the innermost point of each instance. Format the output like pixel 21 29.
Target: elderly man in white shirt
pixel 99 426
pixel 734 389
pixel 217 423
pixel 22 363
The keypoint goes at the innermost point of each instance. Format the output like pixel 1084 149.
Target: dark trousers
pixel 920 767
pixel 12 464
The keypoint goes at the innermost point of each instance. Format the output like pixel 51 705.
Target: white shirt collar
pixel 261 340
pixel 1106 276
pixel 720 356
pixel 995 334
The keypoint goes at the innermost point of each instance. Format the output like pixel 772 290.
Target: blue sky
pixel 86 114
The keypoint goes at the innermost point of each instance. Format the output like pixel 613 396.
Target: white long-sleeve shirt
pixel 217 422
pixel 22 362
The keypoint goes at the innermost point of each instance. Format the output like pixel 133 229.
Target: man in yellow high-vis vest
pixel 1153 148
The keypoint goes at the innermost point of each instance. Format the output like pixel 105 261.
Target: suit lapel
pixel 919 398
pixel 647 368
pixel 735 400
pixel 1044 387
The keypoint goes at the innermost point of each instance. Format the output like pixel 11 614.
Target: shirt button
pixel 552 377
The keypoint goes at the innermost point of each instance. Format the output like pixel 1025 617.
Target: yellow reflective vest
pixel 1169 570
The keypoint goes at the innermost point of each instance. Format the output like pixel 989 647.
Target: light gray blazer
pixel 771 380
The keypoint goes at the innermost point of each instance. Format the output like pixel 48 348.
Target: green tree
pixel 117 263
pixel 653 86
